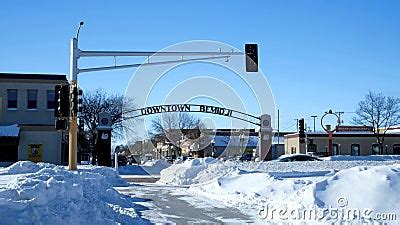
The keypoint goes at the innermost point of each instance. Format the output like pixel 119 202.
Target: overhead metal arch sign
pixel 150 110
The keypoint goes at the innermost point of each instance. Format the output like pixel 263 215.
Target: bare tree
pixel 97 101
pixel 173 125
pixel 380 112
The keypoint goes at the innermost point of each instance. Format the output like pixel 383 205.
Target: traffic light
pixel 301 128
pixel 61 94
pixel 251 51
pixel 80 100
pixel 81 125
pixel 61 124
pixel 74 101
pixel 302 133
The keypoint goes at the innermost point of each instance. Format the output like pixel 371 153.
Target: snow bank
pixel 363 158
pixel 54 195
pixel 185 173
pixel 360 188
pixel 376 188
pixel 149 168
pixel 198 171
pixel 368 183
pixel 22 167
pixel 109 173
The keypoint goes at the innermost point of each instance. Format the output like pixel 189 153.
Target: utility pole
pixel 305 125
pixel 73 119
pixel 314 120
pixel 297 124
pixel 277 147
pixel 340 118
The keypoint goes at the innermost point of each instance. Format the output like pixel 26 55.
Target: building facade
pixel 344 143
pixel 27 131
pixel 219 143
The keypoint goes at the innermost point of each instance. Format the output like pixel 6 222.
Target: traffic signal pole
pixel 76 53
pixel 73 119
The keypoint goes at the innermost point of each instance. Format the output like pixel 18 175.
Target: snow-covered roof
pixel 234 141
pixel 9 131
pixel 394 131
pixel 221 141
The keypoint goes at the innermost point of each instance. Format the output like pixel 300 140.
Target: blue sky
pixel 316 55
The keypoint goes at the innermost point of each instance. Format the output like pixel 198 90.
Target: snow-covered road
pixel 172 204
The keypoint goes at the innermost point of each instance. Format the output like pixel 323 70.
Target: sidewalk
pixel 141 178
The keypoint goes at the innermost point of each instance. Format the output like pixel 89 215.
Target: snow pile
pixel 54 195
pixel 185 173
pixel 22 167
pixel 149 168
pixel 375 188
pixel 363 158
pixel 109 173
pixel 198 171
pixel 361 188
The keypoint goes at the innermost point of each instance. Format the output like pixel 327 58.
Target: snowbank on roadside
pixel 370 183
pixel 372 188
pixel 185 173
pixel 22 167
pixel 199 171
pixel 375 188
pixel 149 168
pixel 54 195
pixel 363 158
pixel 109 173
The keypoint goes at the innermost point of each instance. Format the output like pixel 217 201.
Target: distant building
pixel 351 142
pixel 27 118
pixel 225 143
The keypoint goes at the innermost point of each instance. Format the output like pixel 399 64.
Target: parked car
pixel 132 160
pixel 246 157
pixel 169 159
pixel 297 158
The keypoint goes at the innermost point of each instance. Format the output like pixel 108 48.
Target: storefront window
pixel 312 148
pixel 355 149
pixel 396 149
pixel 375 149
pixel 336 149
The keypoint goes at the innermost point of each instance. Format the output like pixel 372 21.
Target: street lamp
pixel 328 129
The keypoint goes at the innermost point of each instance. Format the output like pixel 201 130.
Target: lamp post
pixel 328 129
